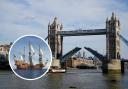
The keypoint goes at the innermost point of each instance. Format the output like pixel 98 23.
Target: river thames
pixel 73 79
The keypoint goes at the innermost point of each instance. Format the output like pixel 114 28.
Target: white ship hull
pixel 57 70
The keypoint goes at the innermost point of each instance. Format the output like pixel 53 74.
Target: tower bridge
pixel 112 59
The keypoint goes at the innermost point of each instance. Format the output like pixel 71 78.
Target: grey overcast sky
pixel 21 17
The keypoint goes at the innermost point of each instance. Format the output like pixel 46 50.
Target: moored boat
pixel 57 70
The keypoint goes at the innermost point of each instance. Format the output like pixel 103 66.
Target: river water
pixel 73 79
pixel 30 74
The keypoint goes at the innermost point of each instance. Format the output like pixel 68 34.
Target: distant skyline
pixel 18 50
pixel 22 17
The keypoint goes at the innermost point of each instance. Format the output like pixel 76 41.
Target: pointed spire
pixel 55 20
pixel 49 24
pixel 107 20
pixel 118 22
pixel 113 16
pixel 61 26
pixel 116 18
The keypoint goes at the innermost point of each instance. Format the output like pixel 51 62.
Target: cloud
pixel 18 17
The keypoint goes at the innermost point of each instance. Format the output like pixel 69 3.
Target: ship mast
pixel 14 57
pixel 31 52
pixel 24 54
pixel 40 55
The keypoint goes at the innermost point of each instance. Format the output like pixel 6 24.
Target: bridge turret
pixel 54 40
pixel 113 41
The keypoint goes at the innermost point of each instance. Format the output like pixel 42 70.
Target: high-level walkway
pixel 81 32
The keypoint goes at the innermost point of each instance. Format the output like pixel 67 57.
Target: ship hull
pixel 25 66
pixel 32 68
pixel 57 70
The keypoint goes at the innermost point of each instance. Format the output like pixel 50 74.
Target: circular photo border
pixel 10 58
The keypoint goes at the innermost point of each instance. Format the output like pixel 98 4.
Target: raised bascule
pixel 110 63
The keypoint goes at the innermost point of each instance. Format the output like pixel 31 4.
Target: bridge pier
pixel 114 66
pixel 122 67
pixel 104 67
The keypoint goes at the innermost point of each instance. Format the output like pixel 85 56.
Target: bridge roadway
pixel 81 32
pixel 69 54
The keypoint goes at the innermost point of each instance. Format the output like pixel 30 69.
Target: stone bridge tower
pixel 112 38
pixel 113 43
pixel 54 40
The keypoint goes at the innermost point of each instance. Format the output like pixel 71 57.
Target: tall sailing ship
pixel 22 64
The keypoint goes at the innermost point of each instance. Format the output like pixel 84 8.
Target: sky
pixel 21 43
pixel 22 17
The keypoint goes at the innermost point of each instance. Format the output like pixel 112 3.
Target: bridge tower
pixel 113 43
pixel 113 40
pixel 55 41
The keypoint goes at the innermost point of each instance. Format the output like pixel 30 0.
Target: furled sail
pixel 32 51
pixel 41 52
pixel 21 58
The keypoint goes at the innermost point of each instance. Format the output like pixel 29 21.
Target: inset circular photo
pixel 30 57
